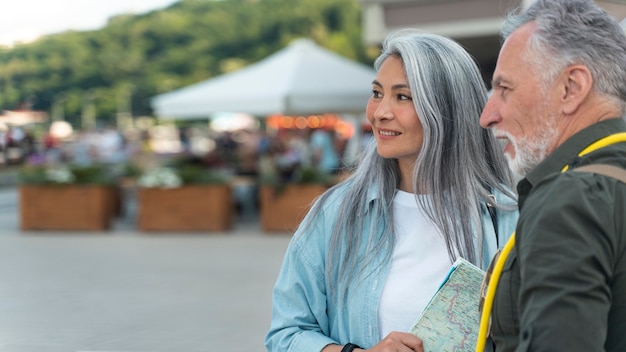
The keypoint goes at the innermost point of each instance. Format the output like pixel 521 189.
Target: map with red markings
pixel 450 321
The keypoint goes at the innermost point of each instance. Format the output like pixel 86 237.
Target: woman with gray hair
pixel 374 249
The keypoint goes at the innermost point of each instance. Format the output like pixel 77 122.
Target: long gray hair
pixel 460 163
pixel 575 32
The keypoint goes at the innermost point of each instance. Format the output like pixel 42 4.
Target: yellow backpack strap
pixel 603 169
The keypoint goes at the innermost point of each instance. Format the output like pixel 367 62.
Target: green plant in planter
pixel 194 174
pixel 130 169
pixel 161 177
pixel 309 175
pixel 301 176
pixel 59 174
pixel 180 173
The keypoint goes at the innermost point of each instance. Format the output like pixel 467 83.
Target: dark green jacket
pixel 563 288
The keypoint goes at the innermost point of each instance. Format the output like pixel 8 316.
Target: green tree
pixel 136 57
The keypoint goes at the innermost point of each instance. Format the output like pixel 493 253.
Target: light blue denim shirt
pixel 306 318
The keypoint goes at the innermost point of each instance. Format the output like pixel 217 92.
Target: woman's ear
pixel 576 83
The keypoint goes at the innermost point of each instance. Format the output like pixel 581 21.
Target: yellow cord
pixel 491 292
pixel 601 143
pixel 497 270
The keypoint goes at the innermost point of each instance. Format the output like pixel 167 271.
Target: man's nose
pixel 490 115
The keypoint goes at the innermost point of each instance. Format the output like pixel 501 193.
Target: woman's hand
pixel 394 342
pixel 399 342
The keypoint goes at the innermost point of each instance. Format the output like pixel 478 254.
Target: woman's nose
pixel 383 110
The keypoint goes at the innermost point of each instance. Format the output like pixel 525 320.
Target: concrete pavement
pixel 128 291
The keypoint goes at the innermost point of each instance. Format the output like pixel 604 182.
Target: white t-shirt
pixel 419 264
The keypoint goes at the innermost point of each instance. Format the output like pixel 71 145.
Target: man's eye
pixel 501 87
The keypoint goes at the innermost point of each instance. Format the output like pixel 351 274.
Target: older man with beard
pixel 559 92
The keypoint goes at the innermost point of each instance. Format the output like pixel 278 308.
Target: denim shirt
pixel 305 317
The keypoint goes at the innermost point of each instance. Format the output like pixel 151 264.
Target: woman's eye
pixel 404 97
pixel 376 94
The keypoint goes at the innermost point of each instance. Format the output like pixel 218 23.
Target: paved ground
pixel 127 291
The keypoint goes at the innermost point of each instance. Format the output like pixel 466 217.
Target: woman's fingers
pixel 400 342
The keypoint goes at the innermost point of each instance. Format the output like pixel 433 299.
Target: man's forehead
pixel 510 58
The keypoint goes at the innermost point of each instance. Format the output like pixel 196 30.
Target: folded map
pixel 451 319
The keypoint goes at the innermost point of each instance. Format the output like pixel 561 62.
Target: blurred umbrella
pixel 301 79
pixel 225 121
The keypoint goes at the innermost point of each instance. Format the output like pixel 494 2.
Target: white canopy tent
pixel 301 79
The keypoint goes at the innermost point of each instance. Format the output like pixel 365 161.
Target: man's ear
pixel 576 83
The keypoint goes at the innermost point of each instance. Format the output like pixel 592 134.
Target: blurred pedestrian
pixel 324 156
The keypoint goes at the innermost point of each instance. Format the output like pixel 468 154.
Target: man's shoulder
pixel 573 189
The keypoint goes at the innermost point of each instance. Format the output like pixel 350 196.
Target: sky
pixel 25 20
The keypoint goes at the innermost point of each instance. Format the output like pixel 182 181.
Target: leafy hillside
pixel 118 68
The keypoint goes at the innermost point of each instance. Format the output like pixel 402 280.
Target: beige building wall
pixel 475 24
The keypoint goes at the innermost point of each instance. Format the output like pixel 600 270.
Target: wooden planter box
pixel 67 207
pixel 282 210
pixel 187 208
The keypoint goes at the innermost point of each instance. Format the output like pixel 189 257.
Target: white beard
pixel 531 150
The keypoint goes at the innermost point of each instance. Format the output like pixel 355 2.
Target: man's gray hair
pixel 575 32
